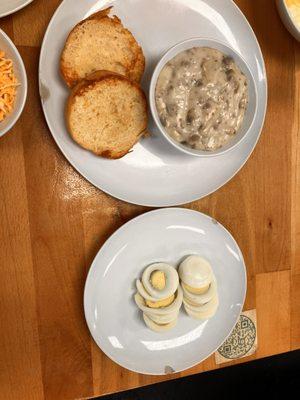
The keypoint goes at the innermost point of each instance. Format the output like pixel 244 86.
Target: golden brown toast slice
pixel 106 113
pixel 101 42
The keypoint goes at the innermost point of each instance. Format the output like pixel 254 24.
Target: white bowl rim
pixel 161 63
pixel 289 14
pixel 287 19
pixel 17 112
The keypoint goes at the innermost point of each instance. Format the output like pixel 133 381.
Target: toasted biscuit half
pixel 106 113
pixel 101 42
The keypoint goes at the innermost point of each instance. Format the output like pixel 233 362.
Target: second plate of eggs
pixel 162 291
pixel 165 291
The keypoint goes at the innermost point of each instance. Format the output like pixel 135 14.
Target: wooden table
pixel 53 222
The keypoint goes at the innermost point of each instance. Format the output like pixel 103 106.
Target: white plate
pixel 12 52
pixel 112 316
pixel 8 7
pixel 154 174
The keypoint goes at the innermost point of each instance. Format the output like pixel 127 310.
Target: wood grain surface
pixel 53 222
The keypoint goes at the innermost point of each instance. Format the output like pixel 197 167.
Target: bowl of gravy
pixel 203 97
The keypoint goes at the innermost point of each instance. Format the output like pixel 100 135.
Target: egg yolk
pixel 160 303
pixel 202 290
pixel 158 280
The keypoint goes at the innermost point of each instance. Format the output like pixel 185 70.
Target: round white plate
pixel 8 7
pixel 154 174
pixel 163 235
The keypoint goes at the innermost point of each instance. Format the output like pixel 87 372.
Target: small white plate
pixel 12 52
pixel 8 7
pixel 154 174
pixel 163 235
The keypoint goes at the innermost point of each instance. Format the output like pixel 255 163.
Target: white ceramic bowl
pixel 11 52
pixel 252 104
pixel 287 19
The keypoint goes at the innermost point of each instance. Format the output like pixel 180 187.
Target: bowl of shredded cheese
pixel 289 11
pixel 13 84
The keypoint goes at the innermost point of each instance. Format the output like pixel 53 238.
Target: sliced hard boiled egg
pixel 160 303
pixel 175 306
pixel 200 299
pixel 142 291
pixel 160 280
pixel 195 272
pixel 157 327
pixel 163 319
pixel 205 311
pixel 201 290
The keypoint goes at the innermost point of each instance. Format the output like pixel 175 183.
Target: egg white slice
pixel 172 280
pixel 144 293
pixel 202 312
pixel 163 319
pixel 195 271
pixel 156 327
pixel 201 299
pixel 175 306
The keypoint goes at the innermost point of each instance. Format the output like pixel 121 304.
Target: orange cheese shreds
pixel 294 10
pixel 8 86
pixel 292 3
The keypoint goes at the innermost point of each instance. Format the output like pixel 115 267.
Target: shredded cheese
pixel 294 9
pixel 8 85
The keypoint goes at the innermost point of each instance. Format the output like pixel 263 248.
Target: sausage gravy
pixel 201 98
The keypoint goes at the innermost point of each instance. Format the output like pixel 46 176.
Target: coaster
pixel 243 339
